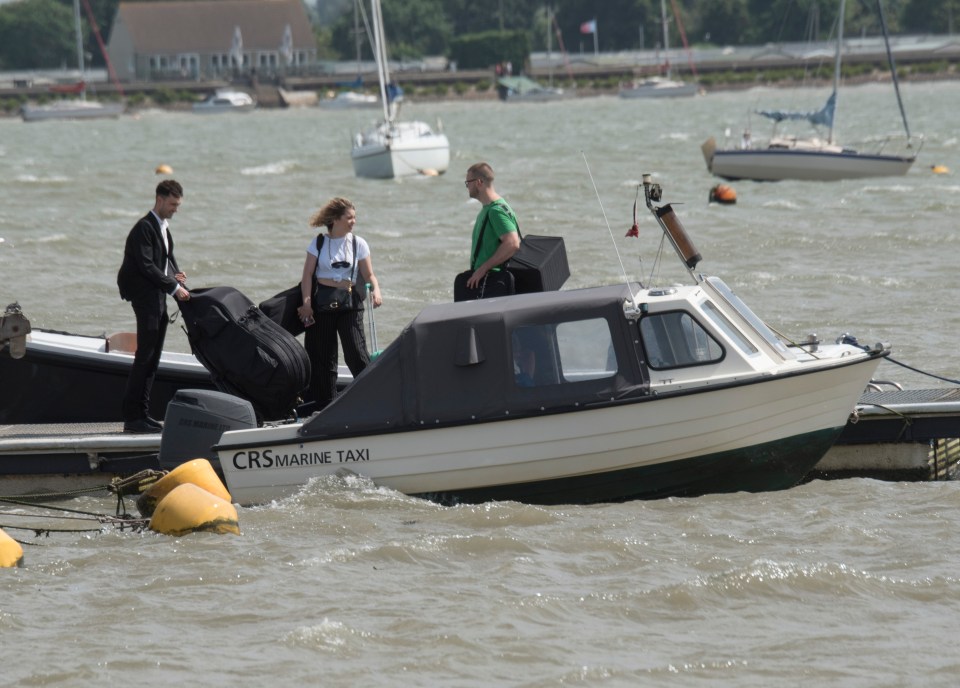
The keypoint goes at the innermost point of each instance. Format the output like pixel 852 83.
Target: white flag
pixel 236 48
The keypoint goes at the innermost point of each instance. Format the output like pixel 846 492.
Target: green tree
pixel 37 34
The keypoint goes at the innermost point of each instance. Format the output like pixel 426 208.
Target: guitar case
pixel 248 354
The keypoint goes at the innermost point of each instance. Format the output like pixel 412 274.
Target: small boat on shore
pixel 225 100
pixel 607 393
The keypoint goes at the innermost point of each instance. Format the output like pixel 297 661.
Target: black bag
pixel 337 299
pixel 540 264
pixel 248 354
pixel 495 283
pixel 282 309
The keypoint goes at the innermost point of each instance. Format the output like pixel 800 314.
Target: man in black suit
pixel 149 274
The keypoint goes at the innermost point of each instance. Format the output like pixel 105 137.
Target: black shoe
pixel 154 422
pixel 140 426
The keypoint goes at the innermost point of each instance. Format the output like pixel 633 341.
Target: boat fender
pixel 198 472
pixel 188 508
pixel 11 553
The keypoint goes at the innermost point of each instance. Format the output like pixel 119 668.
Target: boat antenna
pixel 893 69
pixel 616 250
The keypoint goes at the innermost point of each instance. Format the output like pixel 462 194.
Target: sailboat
pixel 811 159
pixel 76 108
pixel 393 148
pixel 660 86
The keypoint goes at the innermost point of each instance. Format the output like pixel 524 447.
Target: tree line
pixel 39 34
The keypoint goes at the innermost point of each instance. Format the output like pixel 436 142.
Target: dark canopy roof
pixel 454 364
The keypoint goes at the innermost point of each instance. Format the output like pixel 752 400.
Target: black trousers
pixel 320 341
pixel 151 314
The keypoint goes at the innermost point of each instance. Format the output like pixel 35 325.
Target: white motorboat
pixel 520 89
pixel 810 158
pixel 661 86
pixel 606 393
pixel 70 109
pixel 225 100
pixel 345 100
pixel 393 148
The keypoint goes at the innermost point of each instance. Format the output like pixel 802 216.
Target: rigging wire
pixel 616 249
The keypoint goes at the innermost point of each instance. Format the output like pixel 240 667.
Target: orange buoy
pixel 198 472
pixel 188 508
pixel 940 169
pixel 11 553
pixel 721 193
pixel 164 169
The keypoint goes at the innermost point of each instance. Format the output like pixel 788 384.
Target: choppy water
pixel 848 583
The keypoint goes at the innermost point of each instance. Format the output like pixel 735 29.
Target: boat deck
pixel 910 434
pixel 69 458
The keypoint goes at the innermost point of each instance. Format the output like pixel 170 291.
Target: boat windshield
pixel 755 322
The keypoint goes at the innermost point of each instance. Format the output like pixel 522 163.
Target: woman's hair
pixel 333 210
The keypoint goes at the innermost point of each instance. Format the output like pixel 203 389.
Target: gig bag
pixel 495 283
pixel 248 354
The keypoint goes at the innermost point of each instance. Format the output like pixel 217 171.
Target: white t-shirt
pixel 337 252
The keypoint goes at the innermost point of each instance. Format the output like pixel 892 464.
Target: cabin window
pixel 749 315
pixel 725 326
pixel 675 339
pixel 556 353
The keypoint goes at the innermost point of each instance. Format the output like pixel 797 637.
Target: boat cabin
pixel 549 352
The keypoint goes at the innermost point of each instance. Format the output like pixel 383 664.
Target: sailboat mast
pixel 76 23
pixel 380 52
pixel 666 35
pixel 836 64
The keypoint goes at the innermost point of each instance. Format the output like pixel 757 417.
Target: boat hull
pixel 775 165
pixel 676 89
pixel 756 436
pixel 402 156
pixel 74 379
pixel 71 110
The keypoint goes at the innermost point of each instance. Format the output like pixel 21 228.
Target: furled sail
pixel 822 116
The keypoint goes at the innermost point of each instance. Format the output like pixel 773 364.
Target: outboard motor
pixel 194 422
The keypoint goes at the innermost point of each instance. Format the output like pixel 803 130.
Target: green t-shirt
pixel 500 220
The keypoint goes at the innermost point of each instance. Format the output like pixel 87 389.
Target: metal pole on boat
pixel 670 224
pixel 373 323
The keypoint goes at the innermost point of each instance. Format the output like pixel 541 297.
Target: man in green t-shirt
pixel 495 228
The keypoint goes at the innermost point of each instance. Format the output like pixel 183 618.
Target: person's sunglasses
pixel 340 264
pixel 469 181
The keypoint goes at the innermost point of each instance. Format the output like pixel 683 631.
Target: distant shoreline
pixel 145 95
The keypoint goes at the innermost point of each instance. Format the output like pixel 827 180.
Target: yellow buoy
pixel 199 472
pixel 11 553
pixel 164 169
pixel 189 509
pixel 940 169
pixel 429 172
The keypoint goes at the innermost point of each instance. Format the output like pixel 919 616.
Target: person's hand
pixel 476 278
pixel 182 294
pixel 181 277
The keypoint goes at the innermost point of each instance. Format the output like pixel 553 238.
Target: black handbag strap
pixel 483 227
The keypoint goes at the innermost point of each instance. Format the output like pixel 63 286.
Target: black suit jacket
pixel 145 261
